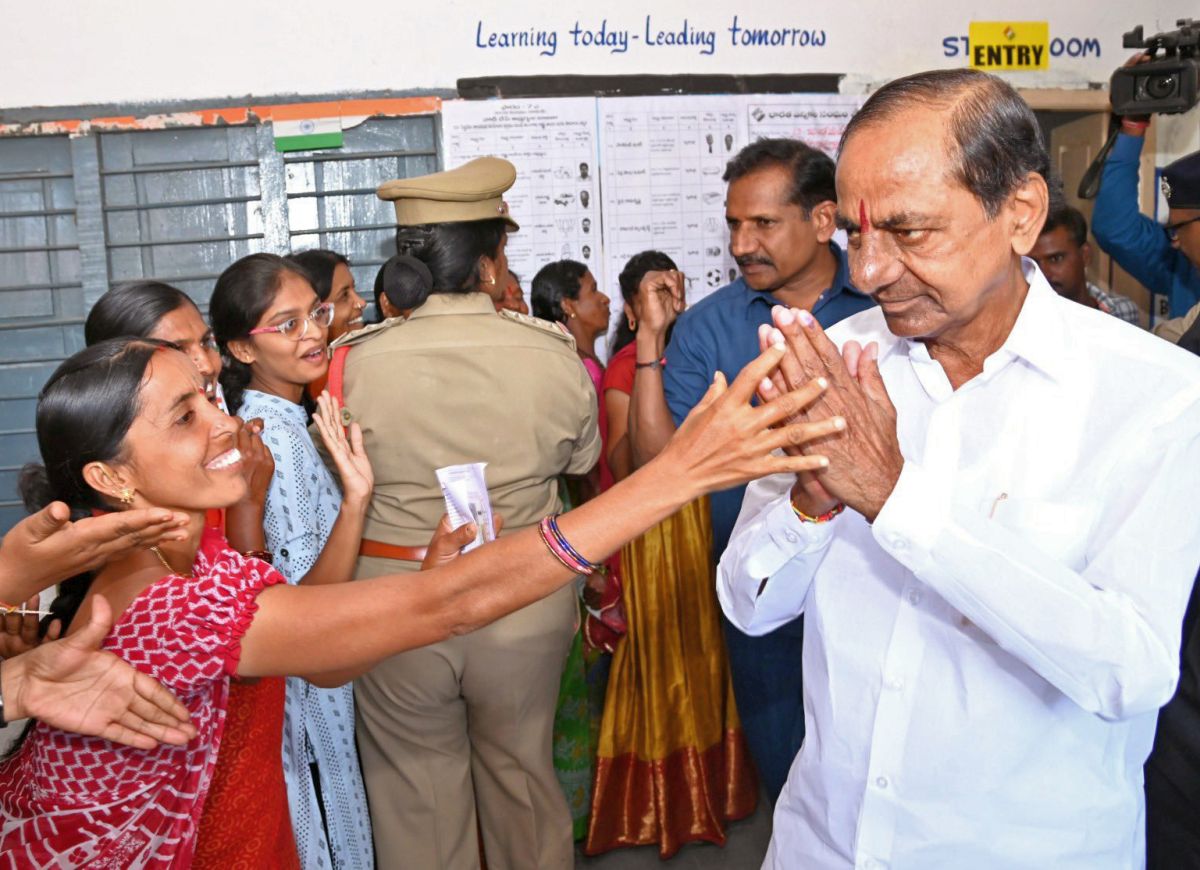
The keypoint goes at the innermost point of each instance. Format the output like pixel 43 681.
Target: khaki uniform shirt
pixel 458 383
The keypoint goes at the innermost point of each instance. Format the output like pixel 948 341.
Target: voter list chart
pixel 556 199
pixel 817 119
pixel 663 159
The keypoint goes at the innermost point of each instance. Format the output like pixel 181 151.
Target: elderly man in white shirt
pixel 994 618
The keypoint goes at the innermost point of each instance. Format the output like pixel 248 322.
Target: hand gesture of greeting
pixel 244 520
pixel 349 457
pixel 864 457
pixel 659 300
pixel 258 466
pixel 726 441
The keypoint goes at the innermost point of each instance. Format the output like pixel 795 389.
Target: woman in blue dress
pixel 272 330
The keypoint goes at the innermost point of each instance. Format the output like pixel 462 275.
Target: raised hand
pixel 725 441
pixel 659 300
pixel 353 466
pixel 47 546
pixel 865 459
pixel 808 494
pixel 258 466
pixel 244 520
pixel 73 685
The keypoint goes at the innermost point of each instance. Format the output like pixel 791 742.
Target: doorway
pixel 1075 126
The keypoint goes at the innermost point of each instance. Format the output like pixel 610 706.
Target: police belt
pixel 380 550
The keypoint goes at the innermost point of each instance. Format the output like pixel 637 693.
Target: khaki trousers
pixel 464 727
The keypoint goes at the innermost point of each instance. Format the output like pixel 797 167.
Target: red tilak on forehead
pixel 864 223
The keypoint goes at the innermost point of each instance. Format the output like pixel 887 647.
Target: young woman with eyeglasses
pixel 272 330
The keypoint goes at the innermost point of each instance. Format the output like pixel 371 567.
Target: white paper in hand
pixel 466 495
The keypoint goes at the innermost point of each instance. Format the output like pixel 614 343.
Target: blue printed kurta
pixel 302 506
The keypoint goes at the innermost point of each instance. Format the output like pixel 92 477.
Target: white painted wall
pixel 70 52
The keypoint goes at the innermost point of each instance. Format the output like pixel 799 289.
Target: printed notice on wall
pixel 816 119
pixel 553 144
pixel 663 159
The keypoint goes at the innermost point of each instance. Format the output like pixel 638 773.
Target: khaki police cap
pixel 471 192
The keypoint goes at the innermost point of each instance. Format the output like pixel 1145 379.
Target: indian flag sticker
pixel 307 134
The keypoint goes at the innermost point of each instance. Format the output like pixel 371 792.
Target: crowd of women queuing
pixel 208 489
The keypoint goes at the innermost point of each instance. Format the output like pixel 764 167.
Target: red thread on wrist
pixel 820 518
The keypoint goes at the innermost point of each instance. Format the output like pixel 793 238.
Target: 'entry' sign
pixel 1010 45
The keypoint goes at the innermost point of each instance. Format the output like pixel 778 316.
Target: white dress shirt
pixel 983 666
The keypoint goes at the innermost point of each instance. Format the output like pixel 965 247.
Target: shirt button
pixel 869 864
pixel 881 781
pixel 914 596
pixel 895 682
pixel 791 536
pixel 898 543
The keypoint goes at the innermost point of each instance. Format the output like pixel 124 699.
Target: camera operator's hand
pixel 1137 124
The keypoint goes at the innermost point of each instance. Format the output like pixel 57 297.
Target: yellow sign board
pixel 1010 45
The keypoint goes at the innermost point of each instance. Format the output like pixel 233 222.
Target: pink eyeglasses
pixel 297 327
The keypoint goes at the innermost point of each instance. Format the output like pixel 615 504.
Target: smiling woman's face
pixel 185 327
pixel 180 451
pixel 347 304
pixel 281 365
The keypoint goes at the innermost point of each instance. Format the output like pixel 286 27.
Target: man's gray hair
pixel 994 141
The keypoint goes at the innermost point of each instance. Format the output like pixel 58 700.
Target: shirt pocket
pixel 1059 529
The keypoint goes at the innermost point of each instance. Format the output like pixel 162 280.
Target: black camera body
pixel 1166 85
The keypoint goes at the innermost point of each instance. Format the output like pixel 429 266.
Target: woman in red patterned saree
pixel 126 423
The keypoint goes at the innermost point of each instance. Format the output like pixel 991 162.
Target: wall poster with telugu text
pixel 599 180
pixel 816 119
pixel 662 160
pixel 556 198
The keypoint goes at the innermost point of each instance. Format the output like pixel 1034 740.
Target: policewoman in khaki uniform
pixel 461 730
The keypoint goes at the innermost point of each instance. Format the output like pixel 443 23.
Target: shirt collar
pixel 454 303
pixel 268 403
pixel 840 284
pixel 841 280
pixel 1039 335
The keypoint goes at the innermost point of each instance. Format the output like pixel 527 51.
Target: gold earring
pixel 126 496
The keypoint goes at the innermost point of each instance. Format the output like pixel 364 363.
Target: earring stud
pixel 126 495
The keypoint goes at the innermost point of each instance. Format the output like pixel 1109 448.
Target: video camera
pixel 1166 84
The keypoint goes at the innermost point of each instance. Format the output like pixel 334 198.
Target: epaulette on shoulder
pixel 364 333
pixel 547 326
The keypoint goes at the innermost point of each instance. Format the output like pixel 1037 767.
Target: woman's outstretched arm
pixel 725 441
